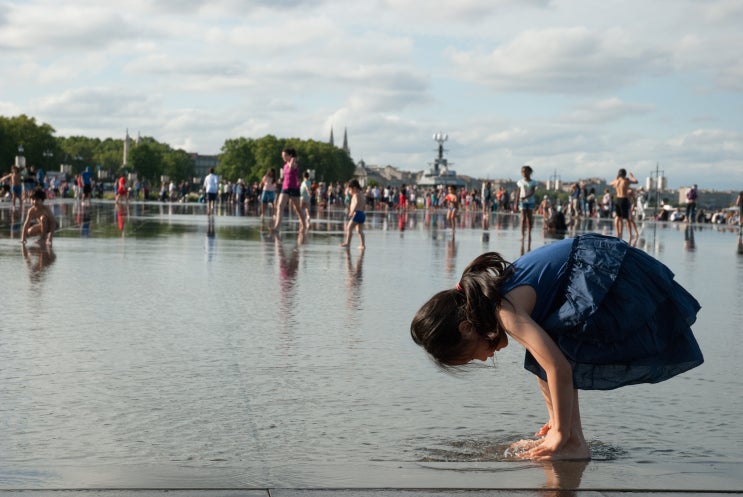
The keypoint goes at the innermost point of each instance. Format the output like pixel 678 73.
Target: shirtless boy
pixel 622 203
pixel 16 187
pixel 45 222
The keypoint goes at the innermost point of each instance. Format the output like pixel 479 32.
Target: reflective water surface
pixel 154 347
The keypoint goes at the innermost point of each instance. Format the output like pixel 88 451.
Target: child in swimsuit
pixel 356 214
pixel 45 224
pixel 452 203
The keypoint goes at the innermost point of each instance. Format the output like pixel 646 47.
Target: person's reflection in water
pixel 689 239
pixel 288 320
pixel 38 258
pixel 563 477
pixel 451 255
pixel 355 277
pixel 82 218
pixel 287 276
pixel 485 227
pixel 121 214
pixel 16 223
pixel 740 243
pixel 210 238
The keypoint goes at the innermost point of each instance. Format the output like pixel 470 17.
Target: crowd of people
pixel 294 188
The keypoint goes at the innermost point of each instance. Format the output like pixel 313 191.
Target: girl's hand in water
pixel 518 450
pixel 543 430
pixel 550 445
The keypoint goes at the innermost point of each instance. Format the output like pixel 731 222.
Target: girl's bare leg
pixel 279 210
pixel 298 211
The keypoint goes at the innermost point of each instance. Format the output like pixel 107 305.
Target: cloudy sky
pixel 576 88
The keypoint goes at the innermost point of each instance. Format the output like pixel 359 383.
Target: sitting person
pixel 44 225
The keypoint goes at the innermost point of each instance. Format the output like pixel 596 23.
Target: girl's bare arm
pixel 514 315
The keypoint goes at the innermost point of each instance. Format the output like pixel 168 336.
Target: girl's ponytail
pixel 480 284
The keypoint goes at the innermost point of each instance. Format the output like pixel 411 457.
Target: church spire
pixel 345 142
pixel 127 144
pixel 332 141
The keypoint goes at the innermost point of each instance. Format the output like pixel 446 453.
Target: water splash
pixel 504 450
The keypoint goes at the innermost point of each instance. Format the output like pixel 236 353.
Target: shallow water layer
pixel 154 347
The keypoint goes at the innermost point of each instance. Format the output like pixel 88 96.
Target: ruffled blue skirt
pixel 621 319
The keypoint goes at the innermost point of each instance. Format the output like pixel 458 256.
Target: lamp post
pixel 48 154
pixel 555 180
pixel 658 181
pixel 439 138
pixel 20 160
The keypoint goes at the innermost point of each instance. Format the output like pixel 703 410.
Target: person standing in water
pixel 290 188
pixel 452 206
pixel 527 189
pixel 305 198
pixel 592 312
pixel 211 188
pixel 356 214
pixel 16 185
pixel 622 184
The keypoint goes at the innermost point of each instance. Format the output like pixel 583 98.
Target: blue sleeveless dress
pixel 614 311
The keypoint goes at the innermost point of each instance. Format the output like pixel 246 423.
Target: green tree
pixel 109 155
pixel 146 159
pixel 36 140
pixel 78 152
pixel 252 158
pixel 237 160
pixel 267 154
pixel 178 165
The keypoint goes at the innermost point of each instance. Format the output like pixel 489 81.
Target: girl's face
pixel 480 348
pixel 484 349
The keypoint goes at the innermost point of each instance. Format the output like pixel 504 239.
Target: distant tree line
pixel 245 158
pixel 250 158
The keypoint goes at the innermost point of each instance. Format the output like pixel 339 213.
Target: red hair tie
pixel 459 287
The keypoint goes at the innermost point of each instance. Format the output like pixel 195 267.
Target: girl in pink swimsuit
pixel 290 188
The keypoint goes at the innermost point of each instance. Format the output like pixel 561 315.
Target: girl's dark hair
pixel 435 326
pixel 290 152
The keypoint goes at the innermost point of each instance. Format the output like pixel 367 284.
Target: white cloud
pixel 608 110
pixel 461 10
pixel 563 60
